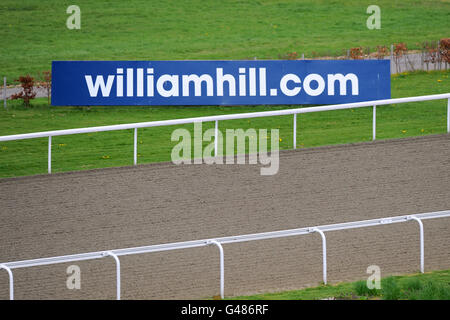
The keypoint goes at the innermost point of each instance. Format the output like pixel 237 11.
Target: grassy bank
pixel 34 32
pixel 428 286
pixel 115 148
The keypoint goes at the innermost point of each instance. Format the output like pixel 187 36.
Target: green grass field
pixel 34 32
pixel 115 148
pixel 428 286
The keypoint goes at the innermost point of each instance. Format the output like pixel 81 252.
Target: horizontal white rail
pixel 228 240
pixel 216 119
pixel 222 240
pixel 223 117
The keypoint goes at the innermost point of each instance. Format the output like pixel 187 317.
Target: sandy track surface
pixel 78 212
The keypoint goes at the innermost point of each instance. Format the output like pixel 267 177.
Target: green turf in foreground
pixel 34 32
pixel 115 148
pixel 428 286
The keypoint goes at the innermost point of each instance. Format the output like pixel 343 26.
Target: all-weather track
pixel 68 213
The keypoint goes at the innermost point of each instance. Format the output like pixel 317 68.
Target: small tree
pixel 399 50
pixel 382 51
pixel 356 53
pixel 27 93
pixel 444 47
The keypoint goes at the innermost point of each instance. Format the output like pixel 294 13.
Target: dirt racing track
pixel 77 212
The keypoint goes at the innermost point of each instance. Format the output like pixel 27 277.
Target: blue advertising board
pixel 219 82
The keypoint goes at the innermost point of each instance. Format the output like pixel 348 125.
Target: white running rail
pixel 216 119
pixel 9 266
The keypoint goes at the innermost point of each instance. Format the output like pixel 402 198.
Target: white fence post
pixel 448 115
pixel 135 146
pixel 374 123
pixel 422 249
pixel 49 154
pixel 324 253
pixel 295 131
pixel 222 267
pixel 11 281
pixel 116 258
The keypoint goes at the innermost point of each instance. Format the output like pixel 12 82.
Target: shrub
pixel 361 289
pixel 27 93
pixel 413 285
pixel 432 291
pixel 444 47
pixel 390 289
pixel 382 51
pixel 399 50
pixel 356 53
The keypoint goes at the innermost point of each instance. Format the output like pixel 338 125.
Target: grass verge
pixel 428 286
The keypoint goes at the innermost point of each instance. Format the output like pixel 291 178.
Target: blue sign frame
pixel 262 82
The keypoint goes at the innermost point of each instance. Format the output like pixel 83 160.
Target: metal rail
pixel 324 253
pixel 216 119
pixel 116 259
pixel 219 242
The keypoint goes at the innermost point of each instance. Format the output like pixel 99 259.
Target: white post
pixel 422 249
pixel 295 131
pixel 4 92
pixel 222 267
pixel 135 146
pixel 374 123
pixel 216 137
pixel 448 115
pixel 11 281
pixel 116 258
pixel 49 154
pixel 324 253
